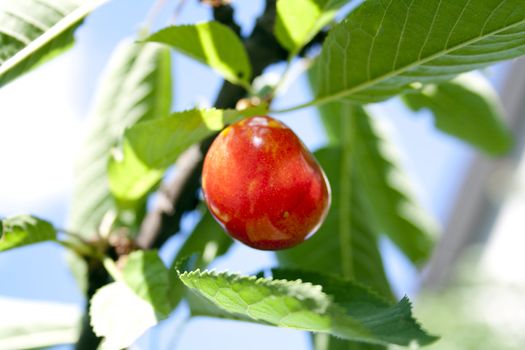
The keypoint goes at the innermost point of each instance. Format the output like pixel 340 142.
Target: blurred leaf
pixel 151 147
pixel 150 292
pixel 351 312
pixel 388 197
pixel 298 21
pixel 345 238
pixel 136 86
pixel 28 324
pixel 347 217
pixel 148 277
pixel 467 107
pixel 383 47
pixel 211 43
pixel 33 31
pixel 208 240
pixel 79 269
pixel 487 310
pixel 331 116
pixel 387 190
pixel 130 179
pixel 334 286
pixel 120 316
pixel 22 230
pixel 176 133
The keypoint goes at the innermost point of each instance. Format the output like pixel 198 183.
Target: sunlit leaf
pixel 22 230
pixel 151 147
pixel 148 277
pixel 33 31
pixel 120 316
pixel 383 47
pixel 338 307
pixel 298 21
pixel 211 43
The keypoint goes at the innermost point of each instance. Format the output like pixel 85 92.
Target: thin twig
pixel 75 235
pixel 153 13
pixel 178 11
pixel 284 77
pixel 175 197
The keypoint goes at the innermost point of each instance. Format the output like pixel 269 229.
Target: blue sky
pixel 43 117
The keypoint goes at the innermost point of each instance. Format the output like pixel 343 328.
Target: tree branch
pixel 97 278
pixel 176 197
pixel 224 15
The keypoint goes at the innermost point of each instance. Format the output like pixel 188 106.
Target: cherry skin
pixel 263 186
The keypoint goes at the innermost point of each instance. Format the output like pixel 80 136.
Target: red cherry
pixel 263 186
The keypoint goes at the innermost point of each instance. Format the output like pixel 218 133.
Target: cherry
pixel 263 186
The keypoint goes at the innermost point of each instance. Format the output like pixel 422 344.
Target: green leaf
pixel 389 196
pixel 213 44
pixel 78 268
pixel 331 116
pixel 34 324
pixel 120 316
pixel 22 230
pixel 33 31
pixel 158 143
pixel 148 277
pixel 467 107
pixel 351 312
pixel 327 251
pixel 130 180
pixel 384 46
pixel 148 287
pixel 346 240
pixel 206 242
pixel 135 86
pixel 208 239
pixel 352 300
pixel 298 21
pixel 327 342
pixel 151 147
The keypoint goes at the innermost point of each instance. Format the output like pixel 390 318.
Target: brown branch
pixel 97 278
pixel 176 196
